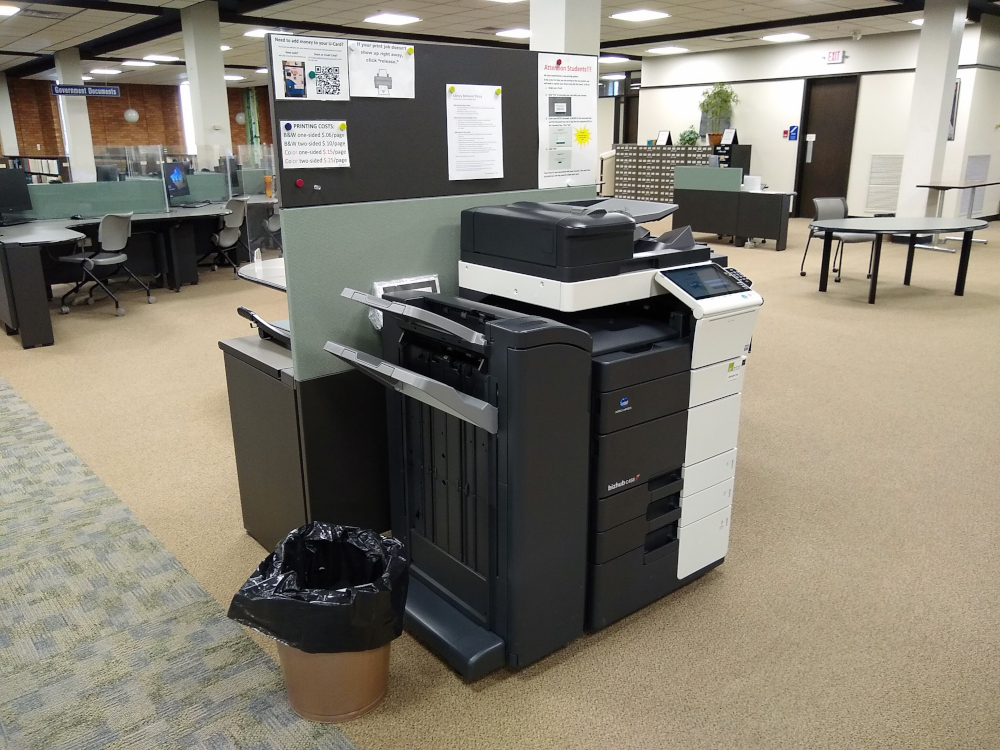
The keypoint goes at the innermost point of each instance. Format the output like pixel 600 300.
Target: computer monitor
pixel 107 173
pixel 14 195
pixel 175 178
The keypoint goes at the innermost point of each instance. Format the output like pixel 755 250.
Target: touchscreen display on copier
pixel 703 281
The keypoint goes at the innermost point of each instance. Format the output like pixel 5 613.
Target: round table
pixel 880 226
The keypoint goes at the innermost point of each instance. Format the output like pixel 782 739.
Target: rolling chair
pixel 112 236
pixel 229 237
pixel 836 208
pixel 272 230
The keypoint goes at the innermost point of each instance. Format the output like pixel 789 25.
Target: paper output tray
pixel 424 316
pixel 429 391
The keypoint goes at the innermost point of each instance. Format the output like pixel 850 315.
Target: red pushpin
pixel 300 182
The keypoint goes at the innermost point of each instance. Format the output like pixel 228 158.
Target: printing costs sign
pixel 309 68
pixel 314 144
pixel 379 69
pixel 567 120
pixel 85 90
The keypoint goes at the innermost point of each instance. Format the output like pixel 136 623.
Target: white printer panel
pixel 705 474
pixel 703 542
pixel 712 429
pixel 701 504
pixel 717 381
pixel 722 338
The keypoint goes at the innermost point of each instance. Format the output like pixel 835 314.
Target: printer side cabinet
pixel 544 452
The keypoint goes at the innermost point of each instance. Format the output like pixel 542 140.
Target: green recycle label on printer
pixel 734 370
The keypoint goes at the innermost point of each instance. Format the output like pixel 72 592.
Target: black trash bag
pixel 327 589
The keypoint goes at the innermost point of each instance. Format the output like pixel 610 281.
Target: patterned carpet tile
pixel 105 640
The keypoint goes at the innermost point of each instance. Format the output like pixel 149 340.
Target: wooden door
pixel 826 139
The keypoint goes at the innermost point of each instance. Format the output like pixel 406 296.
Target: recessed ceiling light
pixel 515 33
pixel 234 78
pixel 638 16
pixel 612 59
pixel 917 22
pixel 391 19
pixel 791 36
pixel 261 70
pixel 105 72
pixel 138 63
pixel 667 50
pixel 9 10
pixel 613 77
pixel 256 32
pixel 161 58
pixel 87 78
pixel 225 48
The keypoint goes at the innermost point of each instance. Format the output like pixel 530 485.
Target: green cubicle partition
pixel 328 248
pixel 708 178
pixel 204 186
pixel 91 199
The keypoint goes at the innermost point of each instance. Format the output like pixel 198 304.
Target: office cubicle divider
pixel 94 199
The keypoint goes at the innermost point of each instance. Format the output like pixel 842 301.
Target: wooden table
pixel 880 226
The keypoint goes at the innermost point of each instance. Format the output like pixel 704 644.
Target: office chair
pixel 836 208
pixel 272 230
pixel 229 236
pixel 112 237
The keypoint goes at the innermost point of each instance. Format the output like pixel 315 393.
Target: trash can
pixel 333 597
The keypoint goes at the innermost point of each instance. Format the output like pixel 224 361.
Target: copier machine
pixel 563 435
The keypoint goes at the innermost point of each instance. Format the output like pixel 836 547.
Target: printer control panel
pixel 740 278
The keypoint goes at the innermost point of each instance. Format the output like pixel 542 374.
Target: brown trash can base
pixel 333 688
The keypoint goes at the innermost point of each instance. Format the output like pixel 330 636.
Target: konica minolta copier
pixel 563 435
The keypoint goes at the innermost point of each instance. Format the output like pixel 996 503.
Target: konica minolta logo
pixel 623 483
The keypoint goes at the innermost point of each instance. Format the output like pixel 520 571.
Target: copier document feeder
pixel 489 417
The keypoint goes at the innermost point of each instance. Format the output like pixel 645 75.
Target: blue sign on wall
pixel 793 133
pixel 85 90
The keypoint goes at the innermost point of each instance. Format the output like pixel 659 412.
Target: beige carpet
pixel 859 605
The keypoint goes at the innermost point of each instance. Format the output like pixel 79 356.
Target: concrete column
pixel 572 26
pixel 8 131
pixel 205 69
pixel 74 118
pixel 930 107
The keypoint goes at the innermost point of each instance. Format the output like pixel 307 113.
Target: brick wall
pixel 159 109
pixel 36 117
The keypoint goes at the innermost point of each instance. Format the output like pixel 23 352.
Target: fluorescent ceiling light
pixel 638 16
pixel 917 22
pixel 234 78
pixel 138 63
pixel 391 19
pixel 261 70
pixel 256 32
pixel 791 36
pixel 612 59
pixel 225 48
pixel 105 72
pixel 9 10
pixel 667 50
pixel 161 58
pixel 613 77
pixel 515 33
pixel 88 78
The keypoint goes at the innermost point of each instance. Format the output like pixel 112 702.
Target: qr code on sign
pixel 327 80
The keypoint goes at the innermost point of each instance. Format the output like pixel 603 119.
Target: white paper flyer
pixel 309 68
pixel 567 120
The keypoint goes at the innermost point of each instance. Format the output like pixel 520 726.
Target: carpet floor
pixel 105 640
pixel 859 605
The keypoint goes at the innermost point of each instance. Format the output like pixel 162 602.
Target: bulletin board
pixel 399 147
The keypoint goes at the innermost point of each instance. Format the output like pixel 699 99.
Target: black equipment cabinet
pixel 488 481
pixel 741 215
pixel 293 462
pixel 733 155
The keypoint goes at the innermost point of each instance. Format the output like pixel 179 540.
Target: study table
pixel 943 187
pixel 24 291
pixel 880 226
pixel 271 273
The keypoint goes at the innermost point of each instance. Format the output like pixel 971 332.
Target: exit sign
pixel 834 57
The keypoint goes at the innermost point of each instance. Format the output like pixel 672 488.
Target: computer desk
pixel 24 291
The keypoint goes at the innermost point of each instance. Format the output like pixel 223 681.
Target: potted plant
pixel 689 137
pixel 717 105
